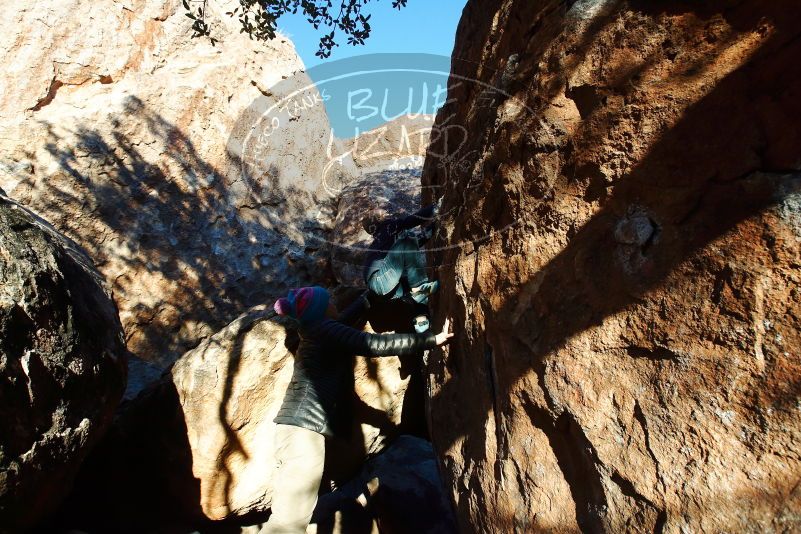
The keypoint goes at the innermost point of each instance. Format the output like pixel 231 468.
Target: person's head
pixel 306 304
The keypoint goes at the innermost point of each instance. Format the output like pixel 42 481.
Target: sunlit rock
pixel 198 443
pixel 620 257
pixel 147 147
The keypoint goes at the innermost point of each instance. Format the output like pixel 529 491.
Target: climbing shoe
pixel 421 293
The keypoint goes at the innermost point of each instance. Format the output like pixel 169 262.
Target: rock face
pixel 397 492
pixel 198 443
pixel 62 364
pixel 623 238
pixel 149 149
pixel 388 162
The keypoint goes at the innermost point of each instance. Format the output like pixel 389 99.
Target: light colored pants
pixel 299 460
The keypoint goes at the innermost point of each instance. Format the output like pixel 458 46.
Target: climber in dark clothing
pixel 305 418
pixel 395 267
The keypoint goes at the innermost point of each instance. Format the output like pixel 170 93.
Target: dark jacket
pixel 322 360
pixel 386 232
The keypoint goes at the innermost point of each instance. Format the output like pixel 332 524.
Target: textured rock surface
pixel 624 270
pixel 388 162
pixel 62 364
pixel 198 443
pixel 397 492
pixel 399 143
pixel 145 146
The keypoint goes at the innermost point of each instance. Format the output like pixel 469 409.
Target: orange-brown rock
pixel 623 225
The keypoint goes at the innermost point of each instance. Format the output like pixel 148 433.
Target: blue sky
pixel 427 26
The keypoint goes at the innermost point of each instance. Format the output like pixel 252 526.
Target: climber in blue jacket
pixel 307 414
pixel 396 266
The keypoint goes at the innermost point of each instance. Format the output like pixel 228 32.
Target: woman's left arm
pixel 355 341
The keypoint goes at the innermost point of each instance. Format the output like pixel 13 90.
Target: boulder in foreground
pixel 62 364
pixel 198 443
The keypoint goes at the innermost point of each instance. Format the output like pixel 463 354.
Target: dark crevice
pixel 652 238
pixel 656 353
pixel 55 85
pixel 501 440
pixel 754 172
pixel 492 378
pixel 628 489
pixel 722 279
pixel 587 99
pixel 18 328
pixel 578 462
pixel 640 416
pixel 694 208
pixel 661 519
pixel 262 91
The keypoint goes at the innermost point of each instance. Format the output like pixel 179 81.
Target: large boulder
pixel 622 231
pixel 150 149
pixel 62 364
pixel 198 443
pixel 397 492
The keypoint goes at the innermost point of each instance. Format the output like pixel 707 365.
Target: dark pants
pixel 403 268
